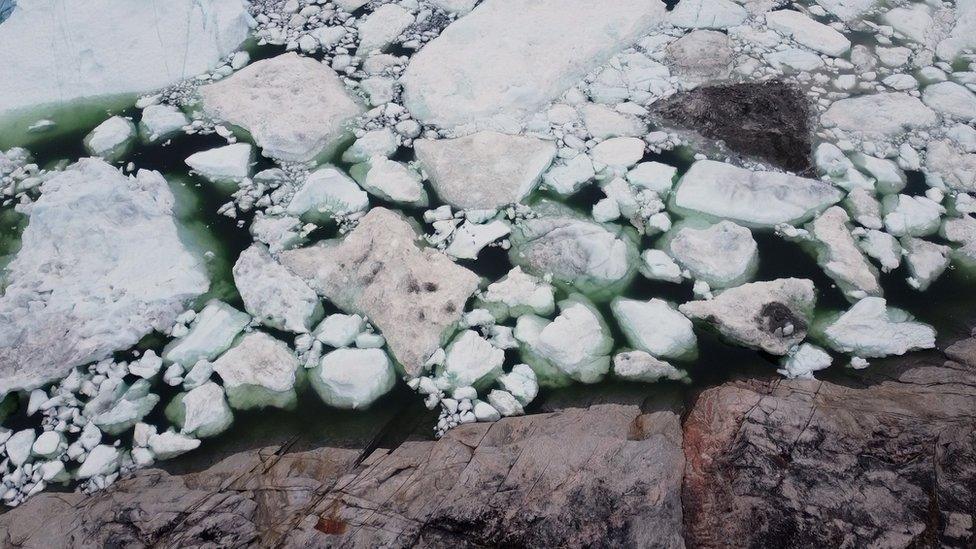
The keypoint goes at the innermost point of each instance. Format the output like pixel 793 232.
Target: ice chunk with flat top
pixel 516 294
pixel 509 58
pixel 643 367
pixel 872 329
pixel 112 139
pixel 201 412
pixel 101 265
pixel 772 316
pixel 295 108
pixel 753 199
pixel 259 371
pixel 326 193
pixel 723 254
pixel 472 361
pixel 597 260
pixel 353 378
pixel 212 332
pixel 273 294
pixel 484 170
pixel 574 346
pixel 879 115
pixel 839 256
pixel 656 327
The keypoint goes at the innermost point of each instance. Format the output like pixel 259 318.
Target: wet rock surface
pixel 882 456
pixel 770 120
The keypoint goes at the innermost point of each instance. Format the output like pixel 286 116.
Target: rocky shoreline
pixel 878 457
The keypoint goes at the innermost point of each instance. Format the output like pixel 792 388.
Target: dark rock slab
pixel 886 458
pixel 769 120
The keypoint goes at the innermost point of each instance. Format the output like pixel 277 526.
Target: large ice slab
pixel 511 57
pixel 57 52
pixel 101 266
pixel 294 107
pixel 753 199
pixel 484 170
pixel 412 294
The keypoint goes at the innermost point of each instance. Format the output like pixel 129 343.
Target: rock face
pixel 880 457
pixel 886 461
pixel 768 120
pixel 484 170
pixel 101 266
pixel 510 58
pixel 412 295
pixel 294 107
pixel 139 47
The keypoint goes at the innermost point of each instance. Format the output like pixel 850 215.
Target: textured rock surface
pixel 878 457
pixel 412 295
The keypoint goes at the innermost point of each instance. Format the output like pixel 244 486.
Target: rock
pixel 295 108
pixel 472 361
pixel 629 492
pixel 872 329
pixel 272 294
pixel 259 371
pixel 772 316
pixel 642 367
pixel 754 199
pixel 101 266
pixel 326 193
pixel 723 254
pixel 516 294
pixel 807 32
pixel 353 378
pixel 230 163
pixel 576 345
pixel 381 28
pixel 117 49
pixel 111 140
pixel 656 327
pixel 485 170
pixel 950 99
pixel 767 463
pixel 879 115
pixel 201 412
pixel 839 256
pixel 412 295
pixel 707 14
pixel 508 59
pixel 212 332
pixel 597 260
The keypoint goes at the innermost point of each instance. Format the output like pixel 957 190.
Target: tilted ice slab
pixel 59 52
pixel 879 115
pixel 412 295
pixel 484 170
pixel 871 329
pixel 511 57
pixel 772 316
pixel 753 199
pixel 101 266
pixel 294 107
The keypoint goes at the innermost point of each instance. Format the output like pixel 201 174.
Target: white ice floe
pixel 872 329
pixel 259 371
pixel 656 327
pixel 274 295
pixel 353 378
pixel 295 108
pixel 101 266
